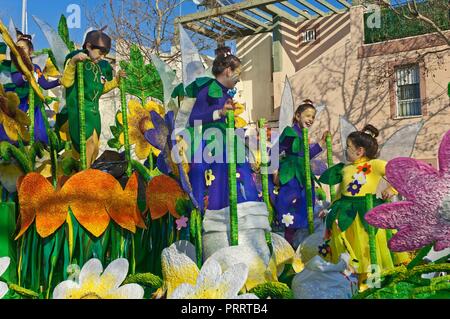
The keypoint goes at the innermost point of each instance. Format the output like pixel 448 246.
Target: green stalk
pixel 232 179
pixel 123 100
pixel 309 199
pixel 23 291
pixel 265 176
pixel 133 255
pixel 372 233
pixel 330 164
pixel 82 115
pixel 31 114
pixel 197 220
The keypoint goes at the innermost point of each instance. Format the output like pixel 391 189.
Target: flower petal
pixel 183 291
pixel 93 267
pixel 4 264
pixel 239 122
pixel 129 291
pixel 89 193
pixel 409 239
pixel 143 148
pixel 233 280
pixel 124 205
pixel 162 194
pixel 413 179
pixel 443 242
pixel 155 107
pixel 64 289
pixel 116 272
pixel 444 154
pixel 3 289
pixel 393 215
pixel 209 275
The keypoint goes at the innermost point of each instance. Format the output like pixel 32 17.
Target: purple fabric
pixel 17 79
pixel 285 146
pixel 205 106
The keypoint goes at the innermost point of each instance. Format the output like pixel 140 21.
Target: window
pixel 309 35
pixel 408 91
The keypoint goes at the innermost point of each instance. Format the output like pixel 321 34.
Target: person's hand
pixel 276 178
pixel 229 106
pixel 345 257
pixel 388 193
pixel 323 213
pixel 323 140
pixel 80 57
pixel 121 74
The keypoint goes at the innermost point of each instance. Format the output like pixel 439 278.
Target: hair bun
pixel 371 130
pixel 223 51
pixel 308 101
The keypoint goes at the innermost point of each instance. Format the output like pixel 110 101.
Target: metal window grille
pixel 408 91
pixel 309 36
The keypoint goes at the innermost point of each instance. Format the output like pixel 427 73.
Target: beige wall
pixel 353 79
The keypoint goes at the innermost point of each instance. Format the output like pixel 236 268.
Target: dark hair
pixel 367 139
pixel 98 39
pixel 25 38
pixel 306 104
pixel 224 59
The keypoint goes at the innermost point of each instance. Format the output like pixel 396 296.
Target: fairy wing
pixel 40 60
pixel 190 58
pixel 168 78
pixel 345 129
pixel 57 45
pixel 399 144
pixel 286 109
pixel 5 78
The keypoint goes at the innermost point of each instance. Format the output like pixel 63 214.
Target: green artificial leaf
pixel 63 31
pixel 143 80
pixel 333 175
pixel 115 131
pixel 183 206
pixel 114 143
pixel 215 91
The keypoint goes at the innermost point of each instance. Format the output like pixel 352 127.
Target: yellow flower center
pixel 90 295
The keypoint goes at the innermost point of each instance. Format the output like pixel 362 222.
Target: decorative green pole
pixel 31 102
pixel 232 178
pixel 123 100
pixel 372 232
pixel 82 115
pixel 264 174
pixel 196 233
pixel 330 164
pixel 309 199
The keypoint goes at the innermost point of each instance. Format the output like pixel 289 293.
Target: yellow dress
pixel 358 179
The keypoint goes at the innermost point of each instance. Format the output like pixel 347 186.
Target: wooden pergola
pixel 249 17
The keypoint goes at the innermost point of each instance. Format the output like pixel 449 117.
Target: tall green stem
pixel 264 175
pixel 309 199
pixel 330 164
pixel 232 178
pixel 82 115
pixel 372 233
pixel 123 100
pixel 31 104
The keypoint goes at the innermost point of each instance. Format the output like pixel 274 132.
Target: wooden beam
pixel 325 3
pixel 296 9
pixel 214 12
pixel 200 30
pixel 312 7
pixel 345 3
pixel 235 20
pixel 270 8
pixel 222 21
pixel 251 19
pixel 261 14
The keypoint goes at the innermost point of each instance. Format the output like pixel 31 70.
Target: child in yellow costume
pixel 345 221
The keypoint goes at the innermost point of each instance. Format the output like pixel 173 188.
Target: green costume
pixel 95 76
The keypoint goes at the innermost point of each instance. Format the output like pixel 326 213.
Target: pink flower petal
pixel 393 215
pixel 444 240
pixel 410 239
pixel 415 180
pixel 444 155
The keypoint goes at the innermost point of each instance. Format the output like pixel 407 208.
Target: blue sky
pixel 50 11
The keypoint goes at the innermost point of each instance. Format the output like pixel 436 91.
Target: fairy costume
pixel 291 197
pixel 98 80
pixel 345 220
pixel 22 88
pixel 209 170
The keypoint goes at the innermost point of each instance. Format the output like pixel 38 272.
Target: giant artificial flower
pixel 162 195
pixel 94 283
pixel 424 217
pixel 4 264
pixel 239 122
pixel 93 196
pixel 14 120
pixel 139 122
pixel 213 284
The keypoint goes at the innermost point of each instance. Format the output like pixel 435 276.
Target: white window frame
pixel 408 78
pixel 309 35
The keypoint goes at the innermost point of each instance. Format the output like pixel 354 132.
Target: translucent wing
pixel 190 57
pixel 5 78
pixel 319 108
pixel 41 60
pixel 12 30
pixel 168 78
pixel 346 129
pixel 401 143
pixel 286 108
pixel 57 45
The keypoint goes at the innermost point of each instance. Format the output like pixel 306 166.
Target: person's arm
pixel 314 150
pixel 203 111
pixel 379 167
pixel 17 79
pixel 44 83
pixel 110 85
pixel 68 78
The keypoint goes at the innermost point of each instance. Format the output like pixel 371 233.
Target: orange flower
pixel 366 169
pixel 162 195
pixel 93 196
